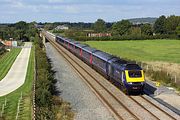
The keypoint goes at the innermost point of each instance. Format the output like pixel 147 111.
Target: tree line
pixel 163 27
pixel 48 105
pixel 18 31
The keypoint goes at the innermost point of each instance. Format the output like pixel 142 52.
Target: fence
pixel 161 74
pixel 34 88
pixel 19 106
pixel 5 104
pixel 3 107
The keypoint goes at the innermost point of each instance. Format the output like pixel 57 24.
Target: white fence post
pixel 21 95
pixel 2 111
pixel 5 102
pixel 18 107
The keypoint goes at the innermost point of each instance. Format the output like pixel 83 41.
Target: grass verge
pixel 142 50
pixel 163 51
pixel 12 98
pixel 7 61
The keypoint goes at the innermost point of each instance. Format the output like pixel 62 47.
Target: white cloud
pixel 71 9
pixel 78 10
pixel 55 1
pixel 18 4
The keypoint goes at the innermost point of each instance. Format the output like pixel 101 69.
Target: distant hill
pixel 149 20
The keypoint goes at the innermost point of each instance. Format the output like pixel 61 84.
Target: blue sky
pixel 84 10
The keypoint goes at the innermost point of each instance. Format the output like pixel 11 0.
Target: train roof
pixel 113 59
pixel 119 63
pixel 60 37
pixel 66 39
pixel 74 42
pixel 81 45
pixel 102 55
pixel 89 49
pixel 132 67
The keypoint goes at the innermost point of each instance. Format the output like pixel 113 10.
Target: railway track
pixel 121 106
pixel 149 106
pixel 110 104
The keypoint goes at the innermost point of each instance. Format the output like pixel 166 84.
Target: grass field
pixel 7 60
pixel 142 50
pixel 12 98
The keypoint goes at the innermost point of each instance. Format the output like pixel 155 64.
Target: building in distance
pixel 62 27
pixel 99 34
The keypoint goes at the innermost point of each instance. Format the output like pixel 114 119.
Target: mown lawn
pixel 142 50
pixel 7 60
pixel 12 98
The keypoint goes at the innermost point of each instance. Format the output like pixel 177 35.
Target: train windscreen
pixel 134 74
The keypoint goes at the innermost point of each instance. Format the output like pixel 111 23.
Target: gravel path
pixel 83 101
pixel 166 96
pixel 17 74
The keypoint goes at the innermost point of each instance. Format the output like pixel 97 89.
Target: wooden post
pixel 141 64
pixel 175 79
pixel 147 67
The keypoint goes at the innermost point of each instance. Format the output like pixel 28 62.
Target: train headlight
pixel 130 83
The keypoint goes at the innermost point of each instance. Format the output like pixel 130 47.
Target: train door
pixel 123 77
pixel 110 69
pixel 91 58
pixel 80 52
pixel 68 46
pixel 64 43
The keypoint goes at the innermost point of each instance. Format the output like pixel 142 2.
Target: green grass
pixel 7 60
pixel 142 50
pixel 26 89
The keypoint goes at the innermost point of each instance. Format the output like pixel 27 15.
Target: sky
pixel 12 11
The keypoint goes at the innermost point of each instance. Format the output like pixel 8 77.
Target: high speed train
pixel 129 76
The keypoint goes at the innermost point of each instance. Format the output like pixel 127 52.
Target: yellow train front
pixel 133 78
pixel 129 77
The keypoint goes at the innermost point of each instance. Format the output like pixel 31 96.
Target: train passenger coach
pixel 87 54
pixel 129 76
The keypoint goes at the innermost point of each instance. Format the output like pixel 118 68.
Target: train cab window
pixel 134 74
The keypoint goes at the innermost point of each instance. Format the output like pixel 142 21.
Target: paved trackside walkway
pixel 17 74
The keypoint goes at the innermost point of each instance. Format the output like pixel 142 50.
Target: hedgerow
pixel 48 105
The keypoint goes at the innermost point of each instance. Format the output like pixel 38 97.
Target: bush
pixel 124 37
pixel 47 104
pixel 2 51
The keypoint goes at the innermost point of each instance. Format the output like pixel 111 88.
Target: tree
pixel 1 34
pixel 146 29
pixel 178 31
pixel 21 25
pixel 171 23
pixel 121 27
pixel 160 25
pixel 48 26
pixel 135 31
pixel 100 25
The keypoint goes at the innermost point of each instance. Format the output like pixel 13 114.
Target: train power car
pixel 129 76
